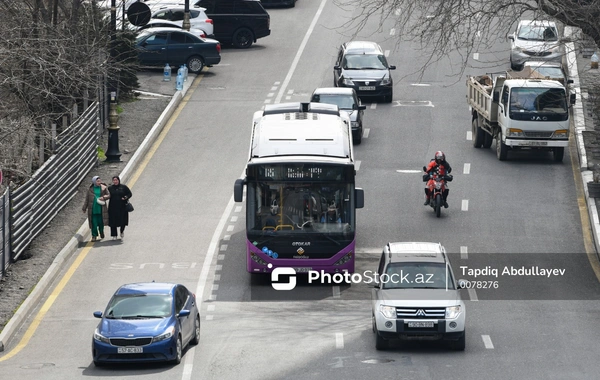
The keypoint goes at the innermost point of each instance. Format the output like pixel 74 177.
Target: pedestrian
pixel 95 206
pixel 117 212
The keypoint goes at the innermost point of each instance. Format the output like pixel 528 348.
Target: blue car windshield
pixel 139 306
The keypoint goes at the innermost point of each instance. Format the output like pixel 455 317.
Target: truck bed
pixel 480 97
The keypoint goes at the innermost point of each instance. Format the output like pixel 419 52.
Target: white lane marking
pixel 209 317
pixel 277 83
pixel 369 250
pixel 386 53
pixel 217 277
pixel 366 133
pixel 288 98
pixel 339 340
pixel 234 219
pixel 215 287
pixel 398 11
pixel 476 56
pixel 478 34
pixel 274 88
pixel 223 247
pixel 212 297
pixel 420 84
pixel 409 171
pixel 392 33
pixel 487 341
pixel 230 228
pixel 290 92
pixel 238 209
pixel 188 365
pixel 336 292
pixel 465 205
pixel 270 94
pixel 227 237
pixel 221 257
pixel 218 267
pixel 288 77
pixel 357 164
pixel 267 101
pixel 373 106
pixel 467 168
pixel 463 253
pixel 210 308
pixel 473 295
pixel 413 103
pixel 469 135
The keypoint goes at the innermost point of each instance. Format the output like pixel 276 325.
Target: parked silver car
pixel 534 40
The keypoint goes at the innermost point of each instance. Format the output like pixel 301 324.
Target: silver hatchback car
pixel 346 100
pixel 534 40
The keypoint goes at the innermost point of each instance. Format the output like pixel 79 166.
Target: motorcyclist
pixel 438 167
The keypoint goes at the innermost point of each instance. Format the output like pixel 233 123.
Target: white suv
pixel 174 13
pixel 416 296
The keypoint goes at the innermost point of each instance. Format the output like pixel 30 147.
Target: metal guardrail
pixel 26 211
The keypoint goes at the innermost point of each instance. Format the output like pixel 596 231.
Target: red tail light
pixel 209 21
pixel 219 48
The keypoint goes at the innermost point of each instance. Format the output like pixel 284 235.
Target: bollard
pixel 167 73
pixel 594 61
pixel 179 82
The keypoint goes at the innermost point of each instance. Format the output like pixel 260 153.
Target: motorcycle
pixel 436 197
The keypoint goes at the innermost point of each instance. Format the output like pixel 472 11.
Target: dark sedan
pixel 158 46
pixel 146 322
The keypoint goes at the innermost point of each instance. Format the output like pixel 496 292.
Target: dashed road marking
pixel 465 205
pixel 339 340
pixel 487 341
pixel 463 253
pixel 467 168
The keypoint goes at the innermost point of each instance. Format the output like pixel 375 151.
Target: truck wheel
pixel 477 134
pixel 487 140
pixel 501 148
pixel 559 153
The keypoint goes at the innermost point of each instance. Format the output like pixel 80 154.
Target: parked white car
pixel 175 13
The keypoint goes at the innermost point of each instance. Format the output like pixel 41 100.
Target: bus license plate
pixel 366 88
pixel 302 270
pixel 420 324
pixel 130 350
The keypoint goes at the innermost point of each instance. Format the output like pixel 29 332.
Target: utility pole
pixel 112 153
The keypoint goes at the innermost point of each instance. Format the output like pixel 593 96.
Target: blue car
pixel 146 322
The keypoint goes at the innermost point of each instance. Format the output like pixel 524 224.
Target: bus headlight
pixel 344 259
pixel 257 259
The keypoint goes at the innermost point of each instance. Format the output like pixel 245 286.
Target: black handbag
pixel 129 206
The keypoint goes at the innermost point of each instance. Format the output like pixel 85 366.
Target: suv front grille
pixel 124 342
pixel 421 312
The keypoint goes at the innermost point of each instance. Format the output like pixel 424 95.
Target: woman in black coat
pixel 117 213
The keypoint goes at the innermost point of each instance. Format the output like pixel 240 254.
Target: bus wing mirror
pixel 359 194
pixel 238 190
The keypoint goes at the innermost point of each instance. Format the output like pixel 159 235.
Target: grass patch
pixel 101 155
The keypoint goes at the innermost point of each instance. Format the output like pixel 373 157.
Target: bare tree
pixel 445 26
pixel 53 53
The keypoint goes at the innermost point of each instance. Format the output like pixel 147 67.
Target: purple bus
pixel 300 190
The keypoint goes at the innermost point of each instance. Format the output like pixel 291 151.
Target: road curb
pixel 579 126
pixel 83 234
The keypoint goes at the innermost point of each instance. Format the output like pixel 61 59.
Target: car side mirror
pixel 569 81
pixel 392 67
pixel 511 37
pixel 336 67
pixel 462 283
pixel 362 107
pixel 98 314
pixel 184 313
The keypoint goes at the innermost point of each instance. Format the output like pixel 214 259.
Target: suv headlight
pixel 348 82
pixel 164 336
pixel 100 338
pixel 388 311
pixel 452 312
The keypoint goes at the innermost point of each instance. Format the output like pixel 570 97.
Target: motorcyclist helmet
pixel 440 157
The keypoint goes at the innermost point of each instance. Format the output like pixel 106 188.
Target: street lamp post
pixel 186 16
pixel 112 153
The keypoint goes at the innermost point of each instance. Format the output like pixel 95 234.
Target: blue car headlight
pixel 164 336
pixel 101 338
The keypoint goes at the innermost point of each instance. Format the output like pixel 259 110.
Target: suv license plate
pixel 302 270
pixel 366 88
pixel 420 324
pixel 130 350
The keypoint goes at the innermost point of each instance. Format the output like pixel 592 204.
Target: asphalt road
pixel 522 212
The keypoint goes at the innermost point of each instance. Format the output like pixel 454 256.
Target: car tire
pixel 501 148
pixel 380 343
pixel 558 153
pixel 243 38
pixel 179 351
pixel 195 64
pixel 358 138
pixel 459 344
pixel 196 338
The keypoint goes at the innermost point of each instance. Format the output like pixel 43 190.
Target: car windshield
pixel 139 306
pixel 365 62
pixel 537 33
pixel 417 276
pixel 344 102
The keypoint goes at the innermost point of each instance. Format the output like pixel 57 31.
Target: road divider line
pixel 223 247
pixel 463 253
pixel 473 295
pixel 465 205
pixel 467 169
pixel 339 341
pixel 336 292
pixel 487 341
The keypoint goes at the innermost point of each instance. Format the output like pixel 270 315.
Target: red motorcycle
pixel 436 196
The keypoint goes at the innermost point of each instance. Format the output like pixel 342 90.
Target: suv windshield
pixel 417 276
pixel 364 62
